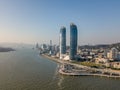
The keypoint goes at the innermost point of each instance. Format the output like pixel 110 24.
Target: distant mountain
pixel 94 46
pixel 116 45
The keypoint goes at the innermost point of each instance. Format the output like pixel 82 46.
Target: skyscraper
pixel 50 48
pixel 73 41
pixel 62 41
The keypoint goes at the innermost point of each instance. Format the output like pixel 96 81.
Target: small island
pixel 6 49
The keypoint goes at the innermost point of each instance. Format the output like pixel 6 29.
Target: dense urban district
pixel 95 56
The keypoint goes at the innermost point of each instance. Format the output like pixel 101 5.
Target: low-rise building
pixel 101 60
pixel 112 54
pixel 116 65
pixel 67 58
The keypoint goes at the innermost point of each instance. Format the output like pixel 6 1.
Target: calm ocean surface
pixel 24 69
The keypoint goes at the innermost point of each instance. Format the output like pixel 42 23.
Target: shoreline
pixel 51 58
pixel 87 74
pixel 112 73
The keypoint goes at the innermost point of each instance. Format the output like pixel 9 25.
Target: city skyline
pixel 28 21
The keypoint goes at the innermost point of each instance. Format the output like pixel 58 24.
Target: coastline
pixel 113 74
pixel 51 58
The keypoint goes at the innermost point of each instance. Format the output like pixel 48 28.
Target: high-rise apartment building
pixel 73 41
pixel 62 41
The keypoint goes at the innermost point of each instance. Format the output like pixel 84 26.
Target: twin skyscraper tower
pixel 73 42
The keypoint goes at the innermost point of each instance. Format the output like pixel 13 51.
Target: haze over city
pixel 31 21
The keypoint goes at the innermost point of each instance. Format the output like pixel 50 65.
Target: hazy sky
pixel 31 21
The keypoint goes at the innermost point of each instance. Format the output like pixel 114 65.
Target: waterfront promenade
pixel 99 72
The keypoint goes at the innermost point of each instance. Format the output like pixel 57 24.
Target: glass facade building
pixel 62 41
pixel 73 41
